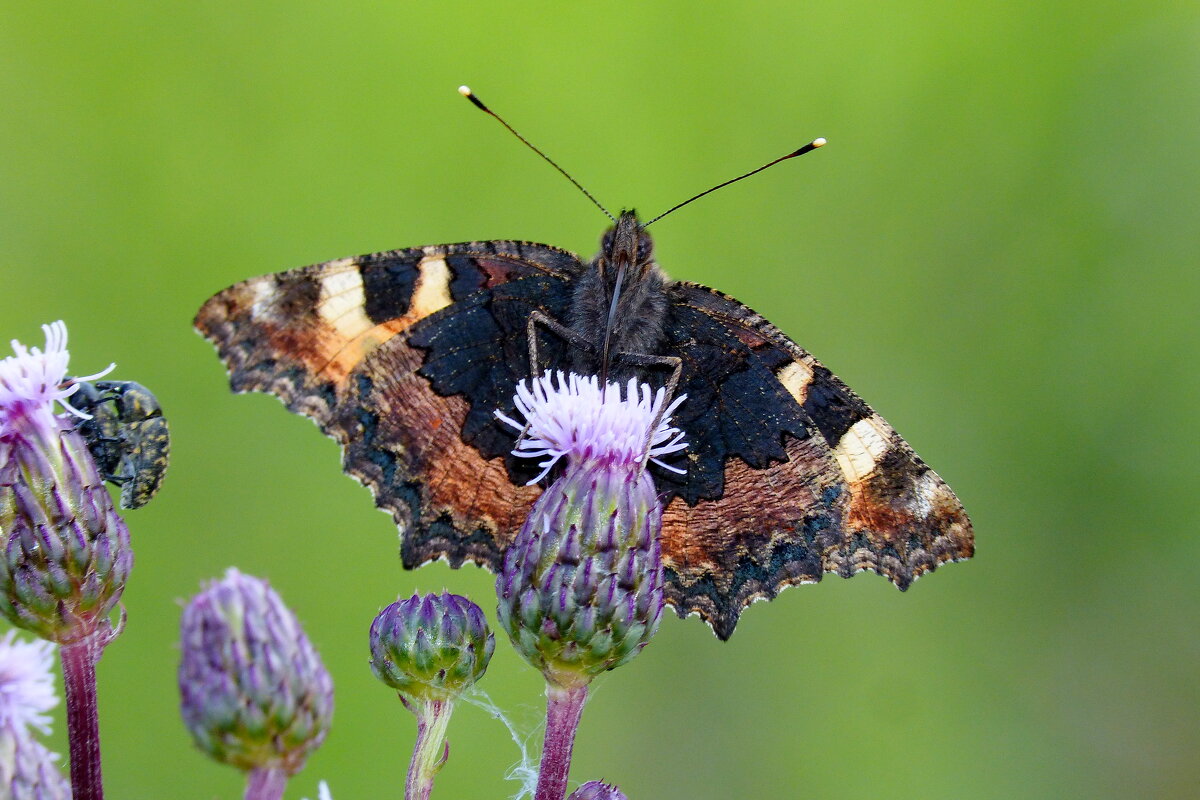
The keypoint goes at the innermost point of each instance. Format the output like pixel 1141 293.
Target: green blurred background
pixel 997 249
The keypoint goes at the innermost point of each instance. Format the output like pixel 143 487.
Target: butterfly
pixel 404 357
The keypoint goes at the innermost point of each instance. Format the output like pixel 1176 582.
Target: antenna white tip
pixel 465 91
pixel 818 142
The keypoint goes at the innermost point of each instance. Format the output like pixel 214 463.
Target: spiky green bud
pixel 66 553
pixel 432 647
pixel 581 588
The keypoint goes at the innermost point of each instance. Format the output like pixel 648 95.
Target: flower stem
pixel 266 783
pixel 564 707
pixel 431 750
pixel 83 720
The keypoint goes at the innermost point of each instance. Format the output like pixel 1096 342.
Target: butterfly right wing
pixel 792 475
pixel 332 342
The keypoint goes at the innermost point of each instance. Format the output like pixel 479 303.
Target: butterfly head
pixel 620 300
pixel 626 244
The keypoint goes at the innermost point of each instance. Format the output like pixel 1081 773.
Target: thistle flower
pixel 31 383
pixel 596 790
pixel 65 551
pixel 26 683
pixel 430 649
pixel 571 415
pixel 27 768
pixel 581 587
pixel 254 691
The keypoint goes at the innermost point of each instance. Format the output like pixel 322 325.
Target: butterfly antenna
pixel 466 92
pixel 808 148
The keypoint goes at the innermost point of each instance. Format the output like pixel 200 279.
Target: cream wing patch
pixel 343 303
pixel 927 491
pixel 859 450
pixel 262 292
pixel 795 377
pixel 432 290
pixel 343 299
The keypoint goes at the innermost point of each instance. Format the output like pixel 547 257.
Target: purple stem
pixel 564 707
pixel 266 783
pixel 83 720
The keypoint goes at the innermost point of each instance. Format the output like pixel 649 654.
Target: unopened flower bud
pixel 581 588
pixel 254 691
pixel 432 647
pixel 596 790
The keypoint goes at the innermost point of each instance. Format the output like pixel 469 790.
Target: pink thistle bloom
pixel 66 558
pixel 26 683
pixel 27 767
pixel 571 415
pixel 31 382
pixel 580 588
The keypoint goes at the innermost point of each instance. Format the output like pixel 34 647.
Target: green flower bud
pixel 66 553
pixel 432 647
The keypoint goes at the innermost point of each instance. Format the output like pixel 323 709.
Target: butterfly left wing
pixel 792 475
pixel 333 342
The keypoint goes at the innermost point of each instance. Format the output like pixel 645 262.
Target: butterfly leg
pixel 671 386
pixel 554 326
